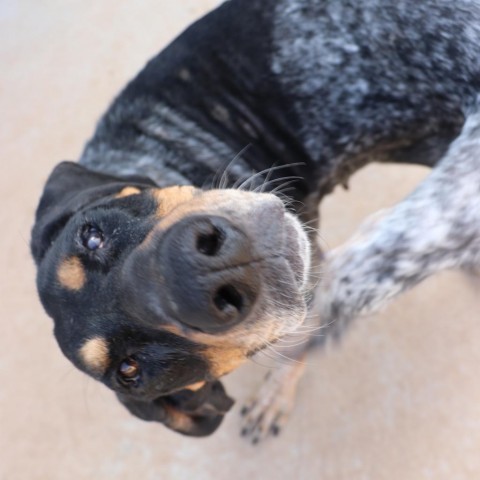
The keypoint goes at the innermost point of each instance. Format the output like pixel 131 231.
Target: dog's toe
pixel 267 412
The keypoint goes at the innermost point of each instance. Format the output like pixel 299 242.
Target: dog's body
pixel 317 89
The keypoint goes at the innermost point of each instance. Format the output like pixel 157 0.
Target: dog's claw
pixel 267 412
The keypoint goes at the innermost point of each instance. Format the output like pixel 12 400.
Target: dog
pixel 166 258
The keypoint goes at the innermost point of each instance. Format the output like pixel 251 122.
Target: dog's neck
pixel 199 109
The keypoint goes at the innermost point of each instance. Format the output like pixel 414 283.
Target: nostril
pixel 228 300
pixel 211 242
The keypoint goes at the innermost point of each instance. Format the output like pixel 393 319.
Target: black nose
pixel 206 263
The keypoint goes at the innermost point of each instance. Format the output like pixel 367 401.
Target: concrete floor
pixel 398 400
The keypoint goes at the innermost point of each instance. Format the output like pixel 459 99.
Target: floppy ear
pixel 69 188
pixel 196 413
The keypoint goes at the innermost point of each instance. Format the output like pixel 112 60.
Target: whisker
pixel 310 221
pixel 223 181
pixel 267 178
pixel 291 341
pixel 300 331
pixel 267 352
pixel 268 347
pixel 280 188
pixel 261 172
pixel 281 355
pixel 254 359
pixel 284 189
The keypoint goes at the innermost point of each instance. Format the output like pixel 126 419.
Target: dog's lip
pixel 297 249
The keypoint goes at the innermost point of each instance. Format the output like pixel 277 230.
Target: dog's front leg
pixel 436 227
pixel 267 411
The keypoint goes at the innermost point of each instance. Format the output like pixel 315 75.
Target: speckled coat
pixel 321 87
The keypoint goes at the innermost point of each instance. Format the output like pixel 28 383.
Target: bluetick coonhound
pixel 165 264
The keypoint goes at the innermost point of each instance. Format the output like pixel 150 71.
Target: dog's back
pixel 331 84
pixel 370 77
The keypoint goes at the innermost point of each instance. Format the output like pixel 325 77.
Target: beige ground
pixel 399 400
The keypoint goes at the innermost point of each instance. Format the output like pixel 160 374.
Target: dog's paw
pixel 267 412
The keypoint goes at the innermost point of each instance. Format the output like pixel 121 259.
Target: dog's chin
pixel 297 251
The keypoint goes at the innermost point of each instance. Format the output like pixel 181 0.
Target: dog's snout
pixel 210 282
pixel 201 272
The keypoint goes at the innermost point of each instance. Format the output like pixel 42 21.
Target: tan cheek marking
pixel 222 356
pixel 127 191
pixel 199 337
pixel 94 354
pixel 170 197
pixel 71 274
pixel 195 386
pixel 224 360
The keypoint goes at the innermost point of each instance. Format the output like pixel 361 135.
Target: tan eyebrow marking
pixel 94 354
pixel 195 386
pixel 170 197
pixel 224 360
pixel 71 274
pixel 127 191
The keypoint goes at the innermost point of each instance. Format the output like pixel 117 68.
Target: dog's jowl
pixel 166 258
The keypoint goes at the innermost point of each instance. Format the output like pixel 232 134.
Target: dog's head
pixel 159 292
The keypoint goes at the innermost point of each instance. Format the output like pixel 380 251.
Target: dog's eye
pixel 129 371
pixel 92 238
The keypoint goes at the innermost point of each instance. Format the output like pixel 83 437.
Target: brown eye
pixel 129 371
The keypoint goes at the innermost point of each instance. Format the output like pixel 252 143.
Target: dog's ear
pixel 69 188
pixel 196 413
